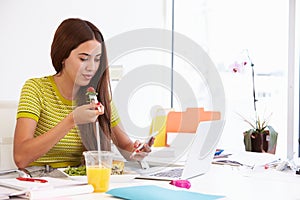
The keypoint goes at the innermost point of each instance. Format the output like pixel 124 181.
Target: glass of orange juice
pixel 98 169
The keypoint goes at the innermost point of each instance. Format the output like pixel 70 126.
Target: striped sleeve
pixel 115 118
pixel 30 104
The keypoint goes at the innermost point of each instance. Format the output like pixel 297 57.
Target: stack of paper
pixel 33 190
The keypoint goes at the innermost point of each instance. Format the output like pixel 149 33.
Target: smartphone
pixel 148 139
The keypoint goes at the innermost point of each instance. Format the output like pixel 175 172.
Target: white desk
pixel 235 183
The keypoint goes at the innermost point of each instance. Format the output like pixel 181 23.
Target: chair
pixel 8 110
pixel 159 124
pixel 180 122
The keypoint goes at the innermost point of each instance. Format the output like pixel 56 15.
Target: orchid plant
pixel 238 66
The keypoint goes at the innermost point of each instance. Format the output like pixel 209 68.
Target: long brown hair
pixel 69 35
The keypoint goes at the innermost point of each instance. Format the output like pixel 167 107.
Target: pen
pixel 227 162
pixel 273 163
pixel 37 180
pixel 222 156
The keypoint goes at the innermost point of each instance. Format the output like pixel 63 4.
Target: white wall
pixel 27 29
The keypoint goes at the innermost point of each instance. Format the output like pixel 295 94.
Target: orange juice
pixel 98 177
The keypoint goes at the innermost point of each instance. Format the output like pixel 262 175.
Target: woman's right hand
pixel 87 113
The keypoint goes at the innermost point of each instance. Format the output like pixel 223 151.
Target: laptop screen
pixel 202 150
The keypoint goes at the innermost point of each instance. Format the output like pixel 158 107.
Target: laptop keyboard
pixel 173 173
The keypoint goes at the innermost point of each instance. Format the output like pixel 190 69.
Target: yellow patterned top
pixel 41 101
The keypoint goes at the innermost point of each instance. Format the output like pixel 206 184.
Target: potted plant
pixel 261 137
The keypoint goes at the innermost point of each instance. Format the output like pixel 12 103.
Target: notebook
pixel 199 158
pixel 52 189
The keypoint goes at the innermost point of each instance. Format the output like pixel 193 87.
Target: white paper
pixel 59 192
pixel 55 187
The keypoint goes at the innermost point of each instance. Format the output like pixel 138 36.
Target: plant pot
pixel 265 141
pixel 259 141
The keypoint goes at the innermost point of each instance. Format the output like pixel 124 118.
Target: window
pixel 225 29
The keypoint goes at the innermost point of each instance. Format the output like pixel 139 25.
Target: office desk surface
pixel 233 182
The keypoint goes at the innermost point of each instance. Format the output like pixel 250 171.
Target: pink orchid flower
pixel 238 66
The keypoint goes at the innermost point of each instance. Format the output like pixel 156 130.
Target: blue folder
pixel 152 192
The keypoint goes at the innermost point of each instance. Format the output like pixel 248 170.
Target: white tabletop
pixel 233 182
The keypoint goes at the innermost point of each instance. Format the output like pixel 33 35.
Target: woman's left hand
pixel 141 150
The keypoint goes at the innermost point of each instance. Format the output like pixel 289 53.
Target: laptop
pixel 199 156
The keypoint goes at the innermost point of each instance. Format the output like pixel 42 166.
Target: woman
pixel 55 123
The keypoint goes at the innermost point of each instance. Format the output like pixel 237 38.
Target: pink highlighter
pixel 181 183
